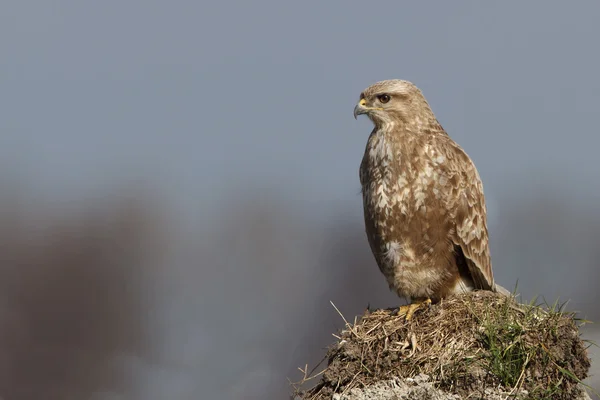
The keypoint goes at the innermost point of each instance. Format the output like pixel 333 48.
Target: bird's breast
pixel 403 187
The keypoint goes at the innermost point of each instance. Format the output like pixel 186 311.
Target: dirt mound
pixel 466 344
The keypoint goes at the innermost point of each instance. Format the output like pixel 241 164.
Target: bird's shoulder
pixel 454 164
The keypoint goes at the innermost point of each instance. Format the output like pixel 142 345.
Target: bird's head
pixel 391 101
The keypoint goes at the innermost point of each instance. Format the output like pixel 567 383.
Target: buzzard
pixel 424 208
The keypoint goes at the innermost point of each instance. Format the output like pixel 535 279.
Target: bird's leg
pixel 409 309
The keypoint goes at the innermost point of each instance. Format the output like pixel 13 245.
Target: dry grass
pixel 466 344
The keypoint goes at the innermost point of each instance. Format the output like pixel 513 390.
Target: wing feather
pixel 466 205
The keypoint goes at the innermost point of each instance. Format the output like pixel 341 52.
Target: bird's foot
pixel 409 310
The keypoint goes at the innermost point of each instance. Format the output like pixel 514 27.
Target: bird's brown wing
pixel 466 205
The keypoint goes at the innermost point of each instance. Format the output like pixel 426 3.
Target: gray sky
pixel 209 102
pixel 200 97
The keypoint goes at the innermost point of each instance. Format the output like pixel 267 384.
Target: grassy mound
pixel 465 344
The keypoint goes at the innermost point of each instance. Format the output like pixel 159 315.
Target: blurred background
pixel 179 194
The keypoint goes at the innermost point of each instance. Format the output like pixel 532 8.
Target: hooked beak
pixel 360 108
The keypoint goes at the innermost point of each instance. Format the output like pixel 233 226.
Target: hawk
pixel 424 209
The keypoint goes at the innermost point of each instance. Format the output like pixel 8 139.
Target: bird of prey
pixel 424 209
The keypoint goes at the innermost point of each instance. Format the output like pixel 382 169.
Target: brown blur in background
pixel 179 195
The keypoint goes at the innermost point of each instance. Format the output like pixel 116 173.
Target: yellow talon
pixel 409 310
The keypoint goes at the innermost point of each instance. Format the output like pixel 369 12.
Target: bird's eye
pixel 383 98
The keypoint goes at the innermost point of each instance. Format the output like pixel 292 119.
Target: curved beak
pixel 360 108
